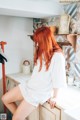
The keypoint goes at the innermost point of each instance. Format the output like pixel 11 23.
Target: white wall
pixel 14 31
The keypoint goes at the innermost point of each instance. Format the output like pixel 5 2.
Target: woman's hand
pixel 51 102
pixel 53 99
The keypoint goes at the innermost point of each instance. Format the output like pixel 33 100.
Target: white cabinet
pixel 46 113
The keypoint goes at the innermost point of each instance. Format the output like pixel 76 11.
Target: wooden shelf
pixel 67 34
pixel 64 43
pixel 60 34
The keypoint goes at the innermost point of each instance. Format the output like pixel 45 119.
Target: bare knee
pixel 4 99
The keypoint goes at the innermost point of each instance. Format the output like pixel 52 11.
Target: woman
pixel 48 74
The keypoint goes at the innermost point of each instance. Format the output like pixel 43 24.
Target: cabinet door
pixel 49 114
pixel 46 114
pixel 34 115
pixel 10 84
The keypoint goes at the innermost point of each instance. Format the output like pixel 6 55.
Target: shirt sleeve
pixel 58 75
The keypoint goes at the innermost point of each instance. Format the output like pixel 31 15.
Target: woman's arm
pixel 52 100
pixel 55 92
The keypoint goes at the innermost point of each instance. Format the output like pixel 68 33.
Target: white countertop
pixel 19 77
pixel 67 98
pixel 73 114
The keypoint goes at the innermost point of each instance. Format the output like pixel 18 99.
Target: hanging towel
pixel 2 55
pixel 1 60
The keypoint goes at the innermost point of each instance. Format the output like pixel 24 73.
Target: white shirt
pixel 38 88
pixel 55 76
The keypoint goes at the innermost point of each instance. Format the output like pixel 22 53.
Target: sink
pixel 72 114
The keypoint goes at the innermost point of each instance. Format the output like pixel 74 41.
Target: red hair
pixel 45 45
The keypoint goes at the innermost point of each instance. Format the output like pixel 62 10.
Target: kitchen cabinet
pixel 46 114
pixel 49 114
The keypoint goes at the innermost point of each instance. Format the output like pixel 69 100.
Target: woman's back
pixel 42 80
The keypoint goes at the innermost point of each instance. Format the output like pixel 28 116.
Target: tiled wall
pixel 72 9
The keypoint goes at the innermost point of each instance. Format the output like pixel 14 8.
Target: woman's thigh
pixel 23 110
pixel 13 95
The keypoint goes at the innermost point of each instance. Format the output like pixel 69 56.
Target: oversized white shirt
pixel 40 85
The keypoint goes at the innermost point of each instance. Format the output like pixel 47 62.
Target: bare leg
pixel 23 110
pixel 10 97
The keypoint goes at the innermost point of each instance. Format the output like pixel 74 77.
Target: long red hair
pixel 45 45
